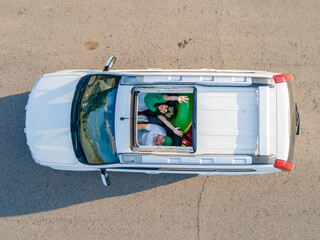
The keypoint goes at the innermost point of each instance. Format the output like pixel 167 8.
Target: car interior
pixel 180 115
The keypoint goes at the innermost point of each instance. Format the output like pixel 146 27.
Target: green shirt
pixel 153 98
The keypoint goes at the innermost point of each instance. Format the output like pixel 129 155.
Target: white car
pixel 235 122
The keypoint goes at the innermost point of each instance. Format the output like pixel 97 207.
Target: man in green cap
pixel 153 135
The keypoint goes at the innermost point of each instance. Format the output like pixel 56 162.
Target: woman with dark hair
pixel 158 105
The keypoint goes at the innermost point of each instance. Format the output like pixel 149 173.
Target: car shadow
pixel 27 187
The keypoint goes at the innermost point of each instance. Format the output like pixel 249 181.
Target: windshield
pixel 97 119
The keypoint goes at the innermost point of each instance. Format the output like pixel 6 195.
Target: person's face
pixel 159 140
pixel 163 108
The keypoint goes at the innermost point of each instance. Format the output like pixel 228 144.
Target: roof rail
pixel 264 159
pixel 263 81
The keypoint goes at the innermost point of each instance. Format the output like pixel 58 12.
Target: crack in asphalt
pixel 199 202
pixel 222 61
pixel 219 27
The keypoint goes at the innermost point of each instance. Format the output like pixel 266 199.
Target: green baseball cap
pixel 167 141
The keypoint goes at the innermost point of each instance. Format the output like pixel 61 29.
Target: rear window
pixel 292 120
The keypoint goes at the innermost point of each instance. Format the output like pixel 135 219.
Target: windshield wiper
pixel 75 118
pixel 75 110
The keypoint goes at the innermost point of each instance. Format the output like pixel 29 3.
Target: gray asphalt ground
pixel 38 37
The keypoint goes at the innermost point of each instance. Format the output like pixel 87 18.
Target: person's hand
pixel 177 131
pixel 183 99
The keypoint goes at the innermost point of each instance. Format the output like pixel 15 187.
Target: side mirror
pixel 105 177
pixel 111 61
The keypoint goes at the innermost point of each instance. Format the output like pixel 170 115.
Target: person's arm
pixel 169 125
pixel 180 99
pixel 142 126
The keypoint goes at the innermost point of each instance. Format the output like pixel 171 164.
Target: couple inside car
pixel 158 108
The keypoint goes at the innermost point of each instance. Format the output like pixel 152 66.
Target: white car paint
pixel 227 120
pixel 267 121
pixel 48 119
pixel 122 132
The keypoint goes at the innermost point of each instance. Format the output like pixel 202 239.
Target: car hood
pixel 48 119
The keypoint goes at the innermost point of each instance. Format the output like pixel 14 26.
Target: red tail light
pixel 284 165
pixel 283 77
